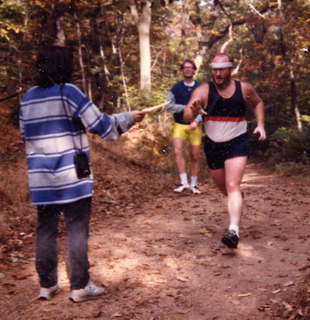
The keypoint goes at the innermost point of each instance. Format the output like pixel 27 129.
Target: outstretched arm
pixel 121 123
pixel 172 106
pixel 257 104
pixel 197 103
pixel 109 127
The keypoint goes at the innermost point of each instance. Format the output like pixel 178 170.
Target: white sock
pixel 183 178
pixel 194 180
pixel 235 228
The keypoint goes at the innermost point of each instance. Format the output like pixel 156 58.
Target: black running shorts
pixel 218 152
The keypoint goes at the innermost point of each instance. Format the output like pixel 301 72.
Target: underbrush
pixel 286 150
pixel 151 142
pixel 147 144
pixel 292 168
pixel 13 184
pixel 16 211
pixel 290 145
pixel 17 219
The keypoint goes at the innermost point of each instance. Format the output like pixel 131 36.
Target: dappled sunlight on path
pixel 160 255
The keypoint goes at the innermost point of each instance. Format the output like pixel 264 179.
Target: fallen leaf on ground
pixel 180 278
pixel 244 294
pixel 276 291
pixel 288 284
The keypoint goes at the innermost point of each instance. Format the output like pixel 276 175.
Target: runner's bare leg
pixel 195 157
pixel 234 170
pixel 179 156
pixel 218 176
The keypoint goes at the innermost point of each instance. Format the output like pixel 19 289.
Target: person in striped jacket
pixel 54 118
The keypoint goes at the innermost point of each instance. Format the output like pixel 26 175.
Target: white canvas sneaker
pixel 195 190
pixel 48 293
pixel 181 188
pixel 89 292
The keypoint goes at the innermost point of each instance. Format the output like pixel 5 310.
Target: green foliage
pixel 292 168
pixel 272 46
pixel 290 145
pixel 139 100
pixel 11 13
pixel 11 30
pixel 306 119
pixel 154 142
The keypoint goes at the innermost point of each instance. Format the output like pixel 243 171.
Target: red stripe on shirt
pixel 225 119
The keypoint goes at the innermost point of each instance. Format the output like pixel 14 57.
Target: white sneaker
pixel 48 293
pixel 195 190
pixel 181 188
pixel 89 292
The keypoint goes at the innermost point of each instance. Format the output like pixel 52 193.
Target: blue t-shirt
pixel 182 94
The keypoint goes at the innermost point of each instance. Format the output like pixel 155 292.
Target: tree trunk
pixel 58 17
pixel 229 40
pixel 143 23
pixel 290 62
pixel 80 52
pixel 60 33
pixel 124 79
pixel 294 105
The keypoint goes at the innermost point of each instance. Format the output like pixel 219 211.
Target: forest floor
pixel 160 255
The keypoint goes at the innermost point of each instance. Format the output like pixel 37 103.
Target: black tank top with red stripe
pixel 234 107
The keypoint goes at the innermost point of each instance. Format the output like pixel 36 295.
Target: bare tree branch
pixel 237 68
pixel 134 11
pixel 230 39
pixel 253 9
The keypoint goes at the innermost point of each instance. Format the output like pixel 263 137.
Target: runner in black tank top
pixel 234 106
pixel 226 145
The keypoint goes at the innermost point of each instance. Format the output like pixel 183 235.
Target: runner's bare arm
pixel 257 104
pixel 198 101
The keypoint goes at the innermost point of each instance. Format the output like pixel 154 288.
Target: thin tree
pixel 143 23
pixel 79 40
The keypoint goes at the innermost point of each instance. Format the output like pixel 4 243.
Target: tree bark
pixel 58 15
pixel 290 62
pixel 143 23
pixel 229 40
pixel 124 78
pixel 60 33
pixel 80 51
pixel 294 105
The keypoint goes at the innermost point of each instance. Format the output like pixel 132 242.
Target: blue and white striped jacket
pixel 51 139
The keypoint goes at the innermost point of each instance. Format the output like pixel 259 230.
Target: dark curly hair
pixel 54 64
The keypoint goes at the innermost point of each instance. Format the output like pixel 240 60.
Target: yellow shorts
pixel 182 131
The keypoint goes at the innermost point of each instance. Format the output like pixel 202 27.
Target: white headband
pixel 221 65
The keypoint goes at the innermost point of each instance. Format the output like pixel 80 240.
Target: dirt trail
pixel 160 254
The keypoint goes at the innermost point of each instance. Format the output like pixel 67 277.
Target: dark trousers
pixel 76 216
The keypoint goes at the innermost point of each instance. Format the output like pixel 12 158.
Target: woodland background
pixel 128 55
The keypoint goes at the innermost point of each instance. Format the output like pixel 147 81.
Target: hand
pixel 138 115
pixel 261 131
pixel 193 125
pixel 197 107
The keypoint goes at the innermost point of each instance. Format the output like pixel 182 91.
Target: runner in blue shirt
pixel 183 131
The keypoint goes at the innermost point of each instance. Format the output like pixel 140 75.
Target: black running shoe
pixel 230 239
